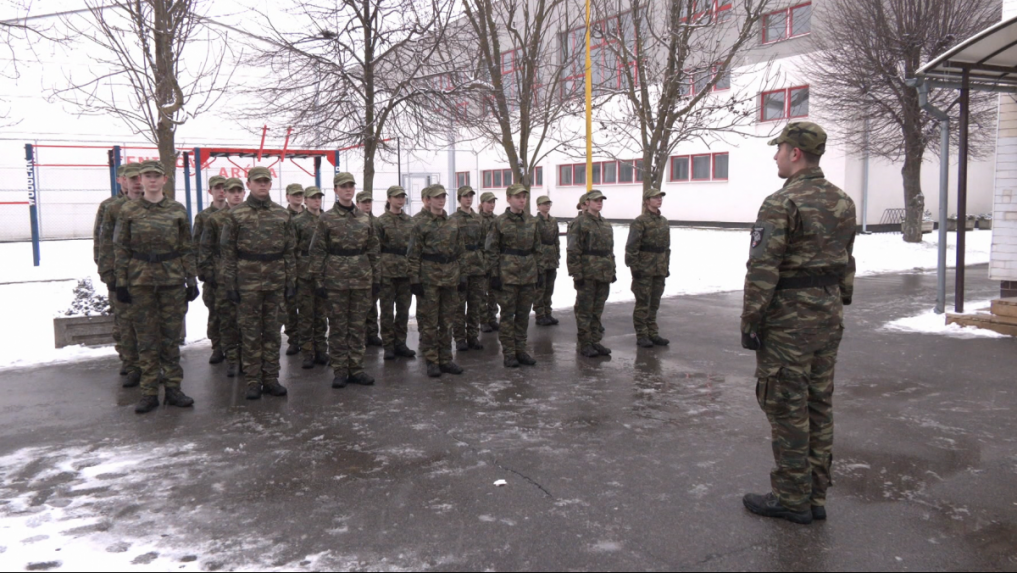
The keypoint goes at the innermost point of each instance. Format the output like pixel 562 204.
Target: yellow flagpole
pixel 589 105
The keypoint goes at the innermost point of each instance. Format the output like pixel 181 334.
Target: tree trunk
pixel 168 157
pixel 370 150
pixel 914 201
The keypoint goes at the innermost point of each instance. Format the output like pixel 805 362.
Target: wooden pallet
pixel 1001 317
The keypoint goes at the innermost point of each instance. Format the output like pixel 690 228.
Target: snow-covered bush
pixel 86 302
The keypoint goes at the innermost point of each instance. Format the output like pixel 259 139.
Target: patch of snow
pixel 931 323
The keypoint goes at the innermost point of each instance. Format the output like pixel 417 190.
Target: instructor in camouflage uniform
pixel 513 250
pixel 800 276
pixel 259 273
pixel 550 259
pixel 210 265
pixel 648 255
pixel 394 228
pixel 217 191
pixel 155 274
pixel 489 309
pixel 312 317
pixel 590 259
pixel 346 272
pixel 472 273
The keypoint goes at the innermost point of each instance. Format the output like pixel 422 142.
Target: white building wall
pixel 1003 260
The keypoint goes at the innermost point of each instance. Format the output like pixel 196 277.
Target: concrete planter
pixel 985 224
pixel 928 227
pixel 951 225
pixel 87 330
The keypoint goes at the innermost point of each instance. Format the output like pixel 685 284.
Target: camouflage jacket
pixel 513 248
pixel 394 237
pixel 258 229
pixel 294 214
pixel 107 258
pixel 144 230
pixel 200 220
pixel 471 225
pixel 209 253
pixel 100 216
pixel 648 249
pixel 485 229
pixel 435 248
pixel 805 229
pixel 590 251
pixel 345 251
pixel 304 225
pixel 550 246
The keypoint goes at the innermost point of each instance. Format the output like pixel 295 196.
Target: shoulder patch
pixel 761 234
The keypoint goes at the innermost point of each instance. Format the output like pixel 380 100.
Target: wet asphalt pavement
pixel 634 462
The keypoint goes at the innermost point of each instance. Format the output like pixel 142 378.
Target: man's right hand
pixel 124 295
pixel 751 341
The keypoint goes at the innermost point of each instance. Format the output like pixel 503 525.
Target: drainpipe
pixel 865 180
pixel 944 182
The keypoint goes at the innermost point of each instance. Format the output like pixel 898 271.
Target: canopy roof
pixel 990 57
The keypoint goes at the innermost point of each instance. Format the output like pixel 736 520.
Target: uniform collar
pixel 804 174
pixel 258 203
pixel 521 215
pixel 148 204
pixel 467 211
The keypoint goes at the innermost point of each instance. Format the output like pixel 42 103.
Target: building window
pixel 720 166
pixel 680 168
pixel 697 80
pixel 700 167
pixel 607 66
pixel 564 175
pixel 462 178
pixel 703 11
pixel 787 103
pixel 787 23
pixel 496 178
pixel 604 173
pixel 538 177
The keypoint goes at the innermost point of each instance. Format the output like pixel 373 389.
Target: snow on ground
pixel 931 323
pixel 702 261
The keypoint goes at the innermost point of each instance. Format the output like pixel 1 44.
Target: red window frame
pixel 671 177
pixel 691 170
pixel 692 167
pixel 488 175
pixel 465 178
pixel 788 23
pixel 787 104
pixel 538 177
pixel 637 174
pixel 575 43
pixel 713 170
pixel 715 10
pixel 691 74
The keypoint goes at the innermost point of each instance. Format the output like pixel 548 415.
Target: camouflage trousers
pixel 229 329
pixel 647 291
pixel 124 334
pixel 111 294
pixel 489 305
pixel 542 299
pixel 260 339
pixel 292 325
pixel 157 314
pixel 467 323
pixel 516 302
pixel 213 328
pixel 395 296
pixel 371 321
pixel 312 317
pixel 346 315
pixel 795 389
pixel 435 314
pixel 590 299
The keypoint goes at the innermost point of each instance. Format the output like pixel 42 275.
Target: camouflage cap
pixel 259 173
pixel 152 166
pixel 365 197
pixel 804 135
pixel 582 199
pixel 312 191
pixel 216 180
pixel 121 169
pixel 488 196
pixel 294 189
pixel 652 192
pixel 593 195
pixel 423 192
pixel 344 177
pixel 543 199
pixel 465 190
pixel 396 191
pixel 233 183
pixel 132 170
pixel 436 190
pixel 515 189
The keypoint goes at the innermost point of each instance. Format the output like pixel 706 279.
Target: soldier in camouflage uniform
pixel 472 273
pixel 210 266
pixel 513 251
pixel 550 259
pixel 313 310
pixel 257 245
pixel 800 276
pixel 365 202
pixel 344 264
pixel 295 206
pixel 100 215
pixel 217 191
pixel 394 228
pixel 489 310
pixel 124 334
pixel 648 255
pixel 436 244
pixel 590 259
pixel 155 274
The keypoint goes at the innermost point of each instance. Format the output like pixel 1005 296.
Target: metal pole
pixel 944 206
pixel 399 161
pixel 187 184
pixel 33 212
pixel 865 179
pixel 197 178
pixel 317 172
pixel 962 188
pixel 452 163
pixel 589 105
pixel 116 166
pixel 112 173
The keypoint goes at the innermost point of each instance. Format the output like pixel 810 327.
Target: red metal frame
pixel 788 23
pixel 715 10
pixel 787 104
pixel 637 175
pixel 713 171
pixel 492 172
pixel 671 177
pixel 692 167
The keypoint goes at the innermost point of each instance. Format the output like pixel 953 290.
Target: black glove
pixel 291 293
pixel 668 274
pixel 578 283
pixel 540 280
pixel 636 275
pixel 375 290
pixel 321 293
pixel 201 278
pixel 124 295
pixel 417 289
pixel 751 341
pixel 192 292
pixel 614 278
pixel 462 285
pixel 846 300
pixel 496 283
pixel 233 296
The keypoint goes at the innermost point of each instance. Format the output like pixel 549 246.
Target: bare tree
pixel 860 72
pixel 18 35
pixel 142 78
pixel 349 74
pixel 666 74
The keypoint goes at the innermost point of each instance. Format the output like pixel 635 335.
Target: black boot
pixel 390 353
pixel 540 321
pixel 589 351
pixel 525 359
pixel 124 371
pixel 451 368
pixel 486 327
pixel 551 321
pixel 321 357
pixel 373 340
pixel 494 325
pixel 602 349
pixel 362 378
pixel 818 513
pixel 658 341
pixel 511 362
pixel 146 404
pixel 274 389
pixel 340 381
pixel 308 363
pixel 133 379
pixel 474 344
pixel 253 392
pixel 231 370
pixel 217 356
pixel 433 370
pixel 402 350
pixel 769 506
pixel 175 397
pixel 462 346
pixel 644 343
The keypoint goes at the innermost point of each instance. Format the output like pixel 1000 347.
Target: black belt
pixel 472 247
pixel 346 252
pixel 391 251
pixel 516 252
pixel 435 258
pixel 270 258
pixel 156 257
pixel 653 249
pixel 808 282
pixel 597 253
pixel 305 253
pixel 543 242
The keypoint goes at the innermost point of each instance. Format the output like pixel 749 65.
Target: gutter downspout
pixel 944 189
